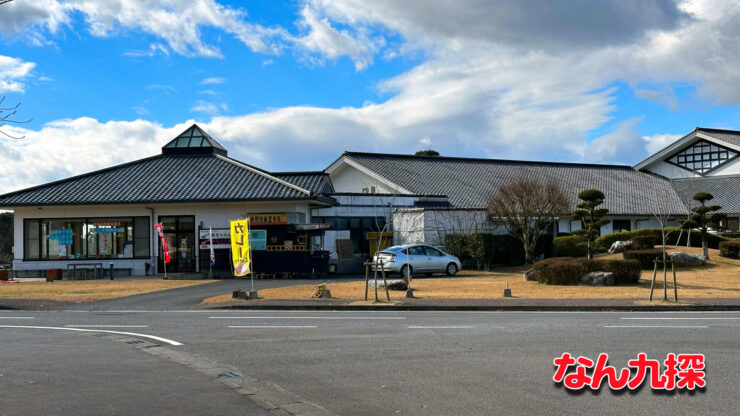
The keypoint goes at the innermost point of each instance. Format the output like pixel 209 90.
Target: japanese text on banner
pixel 240 247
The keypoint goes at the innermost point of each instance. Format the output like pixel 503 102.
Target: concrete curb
pixel 487 308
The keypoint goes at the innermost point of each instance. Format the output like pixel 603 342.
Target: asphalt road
pixel 351 363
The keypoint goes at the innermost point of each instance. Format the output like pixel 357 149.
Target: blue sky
pixel 290 85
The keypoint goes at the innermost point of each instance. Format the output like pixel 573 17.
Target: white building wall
pixel 671 171
pixel 731 168
pixel 215 215
pixel 349 179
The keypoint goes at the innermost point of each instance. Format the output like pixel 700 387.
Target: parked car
pixel 416 258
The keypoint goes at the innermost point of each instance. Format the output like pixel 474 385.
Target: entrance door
pixel 179 233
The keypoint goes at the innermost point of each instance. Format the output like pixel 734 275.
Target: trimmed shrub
pixel 481 248
pixel 569 270
pixel 456 244
pixel 604 242
pixel 571 246
pixel 626 272
pixel 560 270
pixel 486 249
pixel 642 242
pixel 645 257
pixel 730 249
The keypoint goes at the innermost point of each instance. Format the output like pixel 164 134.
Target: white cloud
pixel 176 22
pixel 209 108
pixel 69 147
pixel 657 142
pixel 618 146
pixel 142 111
pixel 13 72
pixel 479 92
pixel 212 80
pixel 154 48
pixel 332 43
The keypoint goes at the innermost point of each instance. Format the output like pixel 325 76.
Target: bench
pixel 86 266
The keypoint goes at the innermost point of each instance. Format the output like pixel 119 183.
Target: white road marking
pixel 106 326
pixel 663 318
pixel 17 317
pixel 133 334
pixel 272 326
pixel 311 317
pixel 655 326
pixel 441 327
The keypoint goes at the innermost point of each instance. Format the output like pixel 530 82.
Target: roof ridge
pixel 473 159
pixel 263 173
pixel 722 130
pixel 300 172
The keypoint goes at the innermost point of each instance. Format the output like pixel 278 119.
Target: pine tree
pixel 703 217
pixel 590 216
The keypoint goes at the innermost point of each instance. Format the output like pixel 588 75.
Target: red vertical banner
pixel 158 227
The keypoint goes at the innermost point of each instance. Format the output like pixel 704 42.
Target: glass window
pixel 110 238
pixel 431 251
pixel 92 238
pixel 31 239
pixel 141 236
pixel 702 157
pixel 417 251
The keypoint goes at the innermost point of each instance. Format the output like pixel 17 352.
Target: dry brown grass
pixel 719 278
pixel 89 291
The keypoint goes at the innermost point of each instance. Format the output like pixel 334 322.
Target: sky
pixel 291 85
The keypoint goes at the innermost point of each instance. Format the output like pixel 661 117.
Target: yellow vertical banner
pixel 240 247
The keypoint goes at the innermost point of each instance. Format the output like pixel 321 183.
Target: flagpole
pixel 211 257
pixel 251 260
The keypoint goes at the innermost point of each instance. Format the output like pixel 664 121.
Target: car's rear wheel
pixel 406 270
pixel 451 269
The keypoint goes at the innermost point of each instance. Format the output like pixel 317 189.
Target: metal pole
pixel 652 284
pixel 251 259
pixel 675 290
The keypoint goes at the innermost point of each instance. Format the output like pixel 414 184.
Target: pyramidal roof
pixel 193 141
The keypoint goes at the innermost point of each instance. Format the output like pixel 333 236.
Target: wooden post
pixel 675 290
pixel 385 283
pixel 655 273
pixel 367 276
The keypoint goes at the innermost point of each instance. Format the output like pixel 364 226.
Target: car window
pixel 417 251
pixel 431 251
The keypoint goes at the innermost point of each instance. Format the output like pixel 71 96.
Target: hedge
pixel 570 246
pixel 569 270
pixel 645 257
pixel 642 242
pixel 560 271
pixel 486 249
pixel 730 249
pixel 604 242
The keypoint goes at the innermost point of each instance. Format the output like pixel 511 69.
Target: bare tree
pixel 526 207
pixel 6 116
pixel 662 214
pixel 5 1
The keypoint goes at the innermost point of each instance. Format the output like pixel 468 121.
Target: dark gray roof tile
pixel 725 189
pixel 162 179
pixel 470 183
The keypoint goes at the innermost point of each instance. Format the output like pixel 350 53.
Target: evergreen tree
pixel 590 216
pixel 703 217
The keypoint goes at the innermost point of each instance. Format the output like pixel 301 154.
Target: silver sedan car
pixel 416 258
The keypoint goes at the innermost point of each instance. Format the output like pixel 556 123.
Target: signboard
pixel 222 239
pixel 61 235
pixel 240 247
